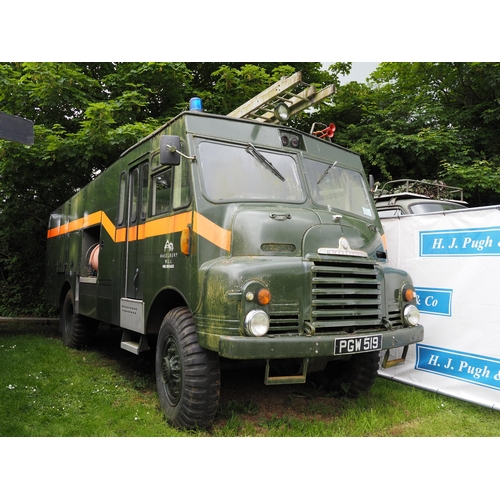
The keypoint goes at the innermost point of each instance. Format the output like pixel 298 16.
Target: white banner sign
pixel 454 260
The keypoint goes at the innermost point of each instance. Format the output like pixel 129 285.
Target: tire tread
pixel 201 375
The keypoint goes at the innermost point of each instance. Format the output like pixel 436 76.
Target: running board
pixel 287 379
pixel 134 346
pixel 394 362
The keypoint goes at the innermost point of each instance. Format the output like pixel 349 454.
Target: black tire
pixel 353 377
pixel 77 330
pixel 362 373
pixel 187 376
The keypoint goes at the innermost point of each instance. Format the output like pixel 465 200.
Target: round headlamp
pixel 411 315
pixel 257 323
pixel 281 112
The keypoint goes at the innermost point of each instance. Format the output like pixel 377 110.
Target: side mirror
pixel 170 146
pixel 372 182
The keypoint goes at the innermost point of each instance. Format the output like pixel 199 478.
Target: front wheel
pixel 187 376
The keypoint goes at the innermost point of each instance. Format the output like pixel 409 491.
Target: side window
pixel 144 190
pixel 122 199
pixel 162 192
pixel 182 192
pixel 134 193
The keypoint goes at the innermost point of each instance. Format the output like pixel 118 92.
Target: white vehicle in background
pixel 408 196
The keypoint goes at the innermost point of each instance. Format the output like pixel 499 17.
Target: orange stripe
pixel 61 229
pixel 51 233
pixel 212 232
pixel 108 225
pixel 92 219
pixel 201 225
pixel 141 232
pixel 121 235
pixel 132 233
pixel 167 225
pixel 75 225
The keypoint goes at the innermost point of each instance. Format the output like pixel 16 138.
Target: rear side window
pixel 121 202
pixel 144 190
pixel 134 202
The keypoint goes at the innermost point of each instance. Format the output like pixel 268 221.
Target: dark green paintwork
pixel 273 245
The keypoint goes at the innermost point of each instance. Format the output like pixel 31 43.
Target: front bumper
pixel 298 346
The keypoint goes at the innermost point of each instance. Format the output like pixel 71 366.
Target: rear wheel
pixel 187 376
pixel 77 330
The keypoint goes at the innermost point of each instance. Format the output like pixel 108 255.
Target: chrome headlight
pixel 411 315
pixel 257 323
pixel 281 112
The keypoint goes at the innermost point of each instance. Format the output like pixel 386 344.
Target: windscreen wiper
pixel 257 154
pixel 325 173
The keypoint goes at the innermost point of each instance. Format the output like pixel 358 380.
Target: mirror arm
pixel 173 149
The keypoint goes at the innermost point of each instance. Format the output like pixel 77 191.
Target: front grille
pixel 283 323
pixel 395 318
pixel 346 296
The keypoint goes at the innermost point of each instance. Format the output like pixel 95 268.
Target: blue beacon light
pixel 195 104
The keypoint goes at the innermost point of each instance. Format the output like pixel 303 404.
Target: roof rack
pixel 436 190
pixel 291 91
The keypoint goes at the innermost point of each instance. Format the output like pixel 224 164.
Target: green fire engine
pixel 232 237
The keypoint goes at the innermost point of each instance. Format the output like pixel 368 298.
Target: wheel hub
pixel 171 371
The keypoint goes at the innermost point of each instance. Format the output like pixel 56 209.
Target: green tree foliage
pixel 225 86
pixel 417 120
pixel 86 115
pixel 426 121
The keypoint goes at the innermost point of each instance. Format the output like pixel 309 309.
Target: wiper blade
pixel 259 156
pixel 325 173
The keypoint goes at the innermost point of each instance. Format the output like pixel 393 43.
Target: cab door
pixel 137 208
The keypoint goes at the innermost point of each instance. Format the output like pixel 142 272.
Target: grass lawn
pixel 48 390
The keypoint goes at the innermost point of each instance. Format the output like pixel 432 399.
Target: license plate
pixel 353 345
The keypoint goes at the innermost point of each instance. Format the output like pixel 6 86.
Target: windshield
pixel 247 173
pixel 338 188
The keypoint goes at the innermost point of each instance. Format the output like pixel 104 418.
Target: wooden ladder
pixel 291 91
